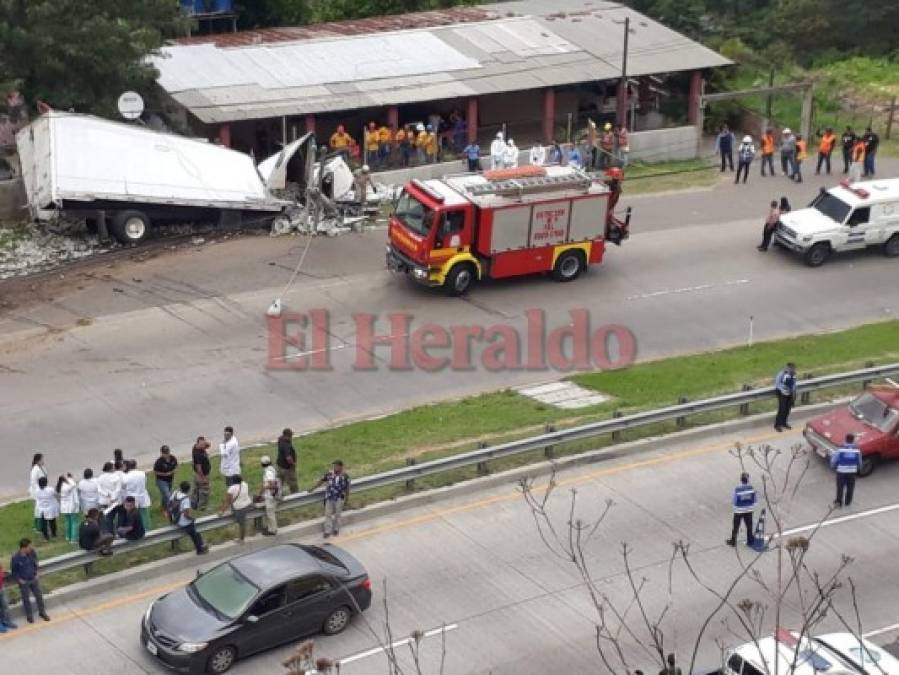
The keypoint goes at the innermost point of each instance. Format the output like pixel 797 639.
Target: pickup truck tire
pixel 459 279
pixel 869 463
pixel 817 254
pixel 891 248
pixel 569 266
pixel 130 227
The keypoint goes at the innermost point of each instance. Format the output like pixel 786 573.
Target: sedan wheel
pixel 222 660
pixel 337 621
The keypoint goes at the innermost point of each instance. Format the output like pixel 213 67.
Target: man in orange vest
pixel 801 155
pixel 858 160
pixel 825 147
pixel 768 144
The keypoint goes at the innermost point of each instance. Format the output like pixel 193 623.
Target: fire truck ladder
pixel 530 184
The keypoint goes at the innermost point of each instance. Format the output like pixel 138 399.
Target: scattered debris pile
pixel 29 247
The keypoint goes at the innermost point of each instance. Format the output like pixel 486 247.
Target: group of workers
pixel 858 152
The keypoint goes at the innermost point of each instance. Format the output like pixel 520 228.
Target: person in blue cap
pixel 744 505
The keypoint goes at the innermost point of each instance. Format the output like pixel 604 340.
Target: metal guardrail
pixel 479 457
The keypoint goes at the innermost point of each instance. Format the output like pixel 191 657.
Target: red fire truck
pixel 452 231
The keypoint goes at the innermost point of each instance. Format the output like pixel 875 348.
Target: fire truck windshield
pixel 414 215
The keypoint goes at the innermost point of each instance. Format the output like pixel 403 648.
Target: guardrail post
pixel 87 568
pixel 805 397
pixel 410 483
pixel 744 407
pixel 681 421
pixel 549 450
pixel 867 383
pixel 483 469
pixel 616 435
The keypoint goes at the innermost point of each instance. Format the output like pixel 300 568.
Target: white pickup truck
pixel 848 217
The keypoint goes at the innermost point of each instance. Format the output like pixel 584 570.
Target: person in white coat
pixel 46 507
pixel 134 484
pixel 497 151
pixel 229 450
pixel 88 492
pixel 510 157
pixel 109 487
pixel 38 471
pixel 538 155
pixel 67 491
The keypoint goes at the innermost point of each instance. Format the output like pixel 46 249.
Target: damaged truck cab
pixel 450 232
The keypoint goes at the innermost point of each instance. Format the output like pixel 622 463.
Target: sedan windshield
pixel 414 215
pixel 226 590
pixel 832 207
pixel 875 412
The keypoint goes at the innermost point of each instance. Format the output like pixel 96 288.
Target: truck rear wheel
pixel 459 279
pixel 817 254
pixel 130 227
pixel 891 248
pixel 569 266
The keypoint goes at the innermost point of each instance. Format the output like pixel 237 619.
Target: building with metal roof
pixel 398 68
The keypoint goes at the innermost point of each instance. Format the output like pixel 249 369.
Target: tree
pixel 634 631
pixel 82 55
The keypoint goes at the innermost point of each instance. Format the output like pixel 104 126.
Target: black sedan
pixel 254 602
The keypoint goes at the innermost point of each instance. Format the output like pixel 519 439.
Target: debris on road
pixel 28 247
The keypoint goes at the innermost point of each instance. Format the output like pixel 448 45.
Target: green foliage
pixel 82 55
pixel 259 13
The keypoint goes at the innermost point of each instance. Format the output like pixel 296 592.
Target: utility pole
pixel 621 115
pixel 768 102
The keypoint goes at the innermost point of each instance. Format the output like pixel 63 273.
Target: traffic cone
pixel 759 540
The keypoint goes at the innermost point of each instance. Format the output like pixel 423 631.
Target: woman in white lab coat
pixel 46 507
pixel 37 472
pixel 134 484
pixel 67 490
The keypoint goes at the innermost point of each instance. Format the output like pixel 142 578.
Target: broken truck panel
pixel 273 170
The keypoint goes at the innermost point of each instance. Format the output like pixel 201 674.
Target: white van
pixel 845 218
pixel 785 654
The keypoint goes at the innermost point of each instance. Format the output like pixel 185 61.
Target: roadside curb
pixel 312 528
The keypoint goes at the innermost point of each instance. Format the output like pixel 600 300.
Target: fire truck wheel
pixel 569 266
pixel 459 279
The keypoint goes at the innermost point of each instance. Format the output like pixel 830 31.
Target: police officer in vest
pixel 744 505
pixel 785 386
pixel 846 461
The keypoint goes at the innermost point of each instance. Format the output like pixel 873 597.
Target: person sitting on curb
pixel 91 537
pixel 131 527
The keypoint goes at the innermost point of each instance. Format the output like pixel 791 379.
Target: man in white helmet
pixel 497 151
pixel 510 155
pixel 745 155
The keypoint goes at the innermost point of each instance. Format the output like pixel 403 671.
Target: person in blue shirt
pixel 744 504
pixel 846 461
pixel 472 153
pixel 785 386
pixel 724 146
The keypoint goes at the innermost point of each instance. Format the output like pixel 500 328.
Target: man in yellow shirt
pixel 421 142
pixel 371 144
pixel 430 144
pixel 385 138
pixel 402 144
pixel 341 141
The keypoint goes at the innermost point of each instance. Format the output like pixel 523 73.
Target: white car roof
pixel 845 643
pixel 883 190
pixel 769 649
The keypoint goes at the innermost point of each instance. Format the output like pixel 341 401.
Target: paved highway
pixel 134 355
pixel 476 565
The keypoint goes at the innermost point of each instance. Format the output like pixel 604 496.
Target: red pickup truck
pixel 874 419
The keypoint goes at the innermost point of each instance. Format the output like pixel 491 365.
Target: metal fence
pixel 545 442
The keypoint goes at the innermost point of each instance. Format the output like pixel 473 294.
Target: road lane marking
pixel 408 522
pixel 841 519
pixel 880 631
pixel 394 645
pixel 686 289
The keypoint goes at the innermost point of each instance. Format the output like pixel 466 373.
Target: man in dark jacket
pixel 287 463
pixel 847 141
pixel 91 537
pixel 24 569
pixel 131 527
pixel 871 140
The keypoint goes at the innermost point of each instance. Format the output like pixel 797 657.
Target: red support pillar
pixel 393 118
pixel 621 103
pixel 310 124
pixel 549 114
pixel 472 120
pixel 224 135
pixel 693 100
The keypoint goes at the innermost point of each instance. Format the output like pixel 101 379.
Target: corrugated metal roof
pixel 514 46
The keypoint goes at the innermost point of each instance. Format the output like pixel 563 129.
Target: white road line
pixel 842 519
pixel 686 289
pixel 880 631
pixel 398 643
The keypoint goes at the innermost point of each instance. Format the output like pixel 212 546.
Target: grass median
pixel 439 430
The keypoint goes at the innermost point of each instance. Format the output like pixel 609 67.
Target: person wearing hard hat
pixel 372 143
pixel 858 160
pixel 606 146
pixel 341 141
pixel 825 148
pixel 745 155
pixel 510 155
pixel 801 155
pixel 768 143
pixel 270 491
pixel 497 151
pixel 590 143
pixel 404 137
pixel 421 142
pixel 361 183
pixel 787 153
pixel 430 144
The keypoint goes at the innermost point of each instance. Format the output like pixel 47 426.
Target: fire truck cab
pixel 450 232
